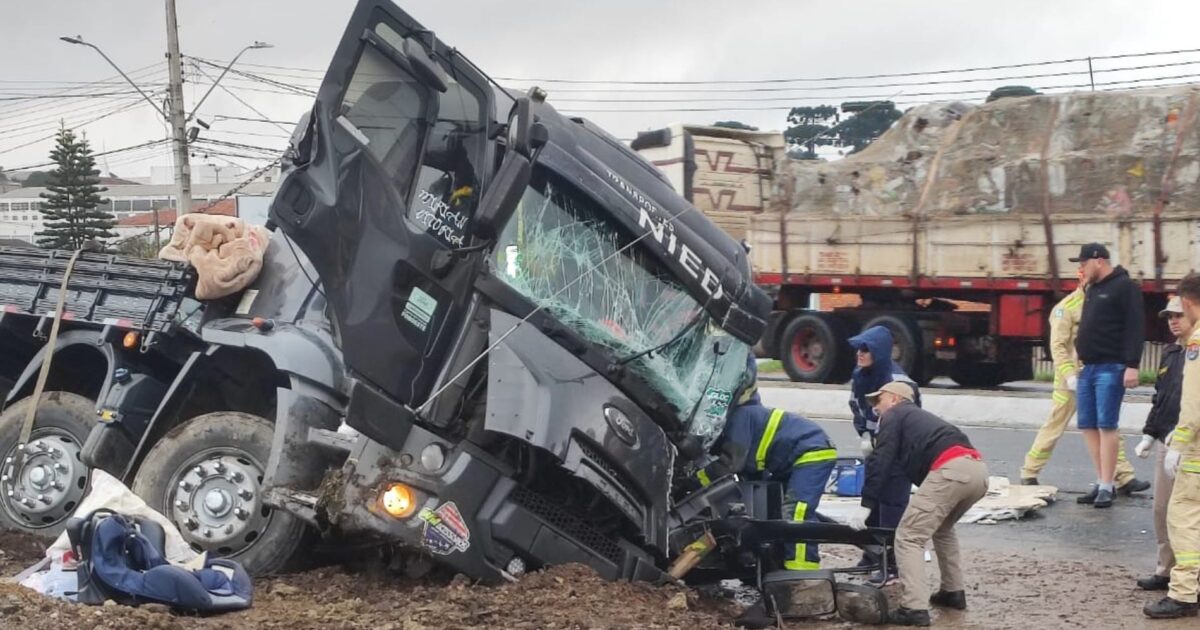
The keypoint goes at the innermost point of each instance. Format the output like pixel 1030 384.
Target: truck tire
pixel 206 476
pixel 813 349
pixel 52 478
pixel 978 374
pixel 907 350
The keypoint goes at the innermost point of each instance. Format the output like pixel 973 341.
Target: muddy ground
pixel 1004 591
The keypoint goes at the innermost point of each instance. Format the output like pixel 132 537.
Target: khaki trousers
pixel 1162 496
pixel 1183 527
pixel 942 499
pixel 1053 429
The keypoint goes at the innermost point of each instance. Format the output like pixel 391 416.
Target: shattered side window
pixel 561 252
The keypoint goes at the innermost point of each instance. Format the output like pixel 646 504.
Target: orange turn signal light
pixel 131 340
pixel 399 500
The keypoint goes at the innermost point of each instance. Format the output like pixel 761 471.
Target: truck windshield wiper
pixel 700 316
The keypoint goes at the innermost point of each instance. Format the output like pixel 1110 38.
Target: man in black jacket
pixel 1112 331
pixel 1164 415
pixel 939 458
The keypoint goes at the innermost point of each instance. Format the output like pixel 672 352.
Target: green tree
pixel 809 126
pixel 70 210
pixel 865 126
pixel 734 124
pixel 139 246
pixel 36 179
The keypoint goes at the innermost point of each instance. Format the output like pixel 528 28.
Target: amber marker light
pixel 398 501
pixel 130 341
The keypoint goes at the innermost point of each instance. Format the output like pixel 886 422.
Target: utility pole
pixel 183 170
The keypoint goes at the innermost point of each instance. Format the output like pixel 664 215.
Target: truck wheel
pixel 907 350
pixel 978 375
pixel 39 495
pixel 813 349
pixel 206 476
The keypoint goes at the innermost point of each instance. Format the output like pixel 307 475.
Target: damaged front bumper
pixel 467 512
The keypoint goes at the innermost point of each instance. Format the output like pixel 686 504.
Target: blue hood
pixel 878 340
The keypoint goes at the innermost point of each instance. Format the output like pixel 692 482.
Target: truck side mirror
pixel 525 139
pixel 426 69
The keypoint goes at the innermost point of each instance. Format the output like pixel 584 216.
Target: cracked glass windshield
pixel 561 253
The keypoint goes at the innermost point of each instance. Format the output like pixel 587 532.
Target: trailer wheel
pixel 978 374
pixel 39 495
pixel 907 350
pixel 813 349
pixel 206 476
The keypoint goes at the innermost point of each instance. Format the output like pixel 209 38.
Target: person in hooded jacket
pixel 765 443
pixel 875 368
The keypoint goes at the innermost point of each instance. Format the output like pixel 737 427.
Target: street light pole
pixel 254 46
pixel 79 40
pixel 183 169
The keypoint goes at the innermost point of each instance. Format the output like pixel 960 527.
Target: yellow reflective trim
pixel 799 562
pixel 704 480
pixel 760 457
pixel 1066 368
pixel 1192 467
pixel 1182 435
pixel 1060 397
pixel 1187 559
pixel 813 457
pixel 1036 454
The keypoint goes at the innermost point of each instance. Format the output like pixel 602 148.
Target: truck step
pixel 331 440
pixel 301 504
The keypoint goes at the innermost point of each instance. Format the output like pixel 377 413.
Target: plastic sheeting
pixel 1111 153
pixel 560 254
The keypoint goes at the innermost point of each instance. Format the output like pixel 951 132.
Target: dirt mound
pixel 18 551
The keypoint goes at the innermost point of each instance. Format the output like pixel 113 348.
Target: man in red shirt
pixel 939 458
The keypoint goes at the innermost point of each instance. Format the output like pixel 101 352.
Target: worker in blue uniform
pixel 764 443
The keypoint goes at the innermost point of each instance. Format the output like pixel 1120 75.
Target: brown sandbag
pixel 227 253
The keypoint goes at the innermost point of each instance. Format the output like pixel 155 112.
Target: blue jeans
pixel 1099 393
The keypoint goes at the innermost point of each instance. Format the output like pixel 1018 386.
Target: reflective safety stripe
pixel 1192 466
pixel 1066 368
pixel 1182 435
pixel 814 457
pixel 1061 398
pixel 1187 559
pixel 800 561
pixel 760 458
pixel 1072 302
pixel 1036 454
pixel 702 475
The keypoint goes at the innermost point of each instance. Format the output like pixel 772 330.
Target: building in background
pixel 21 217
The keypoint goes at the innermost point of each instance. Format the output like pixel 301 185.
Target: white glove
pixel 1171 462
pixel 858 518
pixel 1072 382
pixel 1143 447
pixel 866 445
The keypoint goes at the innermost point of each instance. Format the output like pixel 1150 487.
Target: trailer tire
pixel 63 423
pixel 205 475
pixel 907 351
pixel 978 375
pixel 813 349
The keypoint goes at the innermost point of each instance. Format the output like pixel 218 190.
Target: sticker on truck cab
pixel 420 308
pixel 445 531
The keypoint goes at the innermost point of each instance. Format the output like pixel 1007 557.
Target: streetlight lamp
pixel 78 39
pixel 254 46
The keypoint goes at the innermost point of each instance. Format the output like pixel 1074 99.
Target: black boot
pixel 1030 481
pixel 1154 583
pixel 950 599
pixel 909 617
pixel 1090 497
pixel 1167 608
pixel 1133 485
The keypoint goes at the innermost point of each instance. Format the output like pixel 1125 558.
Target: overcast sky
pixel 643 40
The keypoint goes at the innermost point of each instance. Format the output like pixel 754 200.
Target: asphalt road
pixel 1122 534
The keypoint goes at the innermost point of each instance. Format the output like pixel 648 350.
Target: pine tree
pixel 71 211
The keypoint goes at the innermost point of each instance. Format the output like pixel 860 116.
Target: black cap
pixel 1090 251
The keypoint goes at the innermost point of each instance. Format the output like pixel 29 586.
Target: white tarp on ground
pixel 1003 502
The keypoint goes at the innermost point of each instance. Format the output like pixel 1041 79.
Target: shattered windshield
pixel 561 252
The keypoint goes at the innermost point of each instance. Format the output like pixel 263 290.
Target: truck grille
pixel 571 525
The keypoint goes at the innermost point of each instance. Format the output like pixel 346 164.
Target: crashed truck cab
pixel 537 330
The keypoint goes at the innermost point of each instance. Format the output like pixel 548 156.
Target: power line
pixel 114 151
pixel 849 77
pixel 240 99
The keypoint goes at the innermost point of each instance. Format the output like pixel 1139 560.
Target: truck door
pixel 380 184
